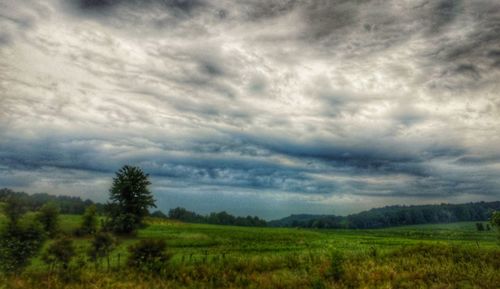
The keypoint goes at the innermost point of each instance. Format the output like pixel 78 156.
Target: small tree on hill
pixel 48 216
pixel 130 200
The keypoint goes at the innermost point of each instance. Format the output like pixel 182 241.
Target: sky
pixel 254 107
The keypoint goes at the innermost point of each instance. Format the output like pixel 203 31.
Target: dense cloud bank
pixel 254 107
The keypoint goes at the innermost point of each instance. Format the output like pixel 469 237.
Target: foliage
pixel 495 219
pixel 101 246
pixel 149 255
pixel 221 218
pixel 182 214
pixel 211 256
pixel 395 216
pixel 33 202
pixel 19 243
pixel 89 222
pixel 130 200
pixel 48 216
pixel 13 208
pixel 480 226
pixel 60 253
pixel 159 214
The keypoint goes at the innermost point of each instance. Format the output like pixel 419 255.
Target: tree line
pixel 77 206
pixel 220 218
pixel 395 216
pixel 33 202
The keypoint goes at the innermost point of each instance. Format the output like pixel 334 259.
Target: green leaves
pixel 60 252
pixel 18 244
pixel 149 255
pixel 130 200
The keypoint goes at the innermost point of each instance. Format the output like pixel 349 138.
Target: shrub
pixel 18 244
pixel 495 219
pixel 101 246
pixel 48 216
pixel 149 255
pixel 89 222
pixel 60 253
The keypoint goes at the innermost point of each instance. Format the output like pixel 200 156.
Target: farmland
pixel 452 255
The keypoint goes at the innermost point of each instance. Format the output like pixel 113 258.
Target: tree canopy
pixel 130 200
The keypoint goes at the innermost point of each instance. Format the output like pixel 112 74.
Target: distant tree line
pixel 395 216
pixel 33 202
pixel 221 218
pixel 77 206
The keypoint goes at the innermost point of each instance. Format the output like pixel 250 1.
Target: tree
pixel 48 216
pixel 13 209
pixel 130 200
pixel 480 226
pixel 89 221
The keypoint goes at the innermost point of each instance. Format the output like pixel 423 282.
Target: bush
pixel 89 222
pixel 101 246
pixel 48 216
pixel 60 253
pixel 149 255
pixel 18 244
pixel 495 219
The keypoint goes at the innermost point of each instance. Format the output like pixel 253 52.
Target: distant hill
pixel 394 216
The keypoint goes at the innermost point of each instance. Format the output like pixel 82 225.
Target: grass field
pixel 209 256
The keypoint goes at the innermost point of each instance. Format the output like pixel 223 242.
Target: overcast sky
pixel 254 107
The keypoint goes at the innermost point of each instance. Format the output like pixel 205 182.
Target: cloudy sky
pixel 254 107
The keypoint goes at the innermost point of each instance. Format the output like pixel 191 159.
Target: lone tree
pixel 130 200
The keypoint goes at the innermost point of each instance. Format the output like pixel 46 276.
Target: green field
pixel 209 256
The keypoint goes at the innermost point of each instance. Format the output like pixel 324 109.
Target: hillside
pixel 395 216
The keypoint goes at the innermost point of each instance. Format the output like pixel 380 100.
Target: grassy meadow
pixel 452 255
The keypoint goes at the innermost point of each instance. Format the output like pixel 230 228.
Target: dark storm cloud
pixel 306 104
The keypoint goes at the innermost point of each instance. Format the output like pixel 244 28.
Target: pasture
pixel 452 255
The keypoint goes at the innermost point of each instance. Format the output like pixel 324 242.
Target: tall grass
pixel 207 256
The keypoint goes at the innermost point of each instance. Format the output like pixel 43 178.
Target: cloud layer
pixel 254 107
